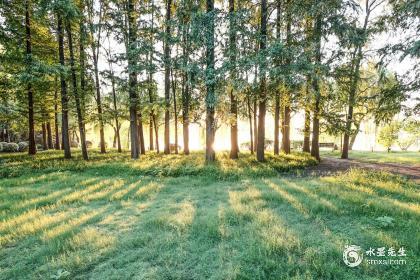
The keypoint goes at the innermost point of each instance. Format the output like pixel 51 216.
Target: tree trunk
pixel 175 112
pixel 210 94
pixel 141 135
pixel 262 96
pixel 287 101
pixel 44 137
pixel 31 123
pixel 307 131
pixel 353 87
pixel 57 136
pixel 307 125
pixel 277 93
pixel 80 120
pixel 251 136
pixel 255 124
pixel 185 93
pixel 155 125
pixel 315 84
pixel 234 150
pixel 167 73
pixel 117 123
pixel 132 84
pixel 49 135
pixel 276 123
pixel 151 146
pixel 64 97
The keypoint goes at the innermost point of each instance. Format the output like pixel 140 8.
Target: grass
pixel 114 218
pixel 410 158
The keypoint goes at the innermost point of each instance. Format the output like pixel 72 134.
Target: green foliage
pixel 10 147
pixel 23 146
pixel 388 135
pixel 385 221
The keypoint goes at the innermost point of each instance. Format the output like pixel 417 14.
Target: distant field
pixel 411 158
pixel 174 217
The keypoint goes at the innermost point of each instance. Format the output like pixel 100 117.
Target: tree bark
pixel 251 136
pixel 151 146
pixel 31 123
pixel 141 135
pixel 64 97
pixel 307 125
pixel 277 93
pixel 234 150
pixel 44 137
pixel 263 93
pixel 175 111
pixel 210 76
pixel 80 120
pixel 132 84
pixel 315 85
pixel 49 135
pixel 185 92
pixel 57 136
pixel 167 73
pixel 287 100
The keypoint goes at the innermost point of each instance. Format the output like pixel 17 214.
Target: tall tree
pixel 316 86
pixel 277 91
pixel 167 56
pixel 64 98
pixel 31 124
pixel 287 93
pixel 95 34
pixel 234 150
pixel 80 120
pixel 355 75
pixel 210 83
pixel 132 77
pixel 263 89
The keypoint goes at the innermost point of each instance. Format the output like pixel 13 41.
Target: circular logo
pixel 352 255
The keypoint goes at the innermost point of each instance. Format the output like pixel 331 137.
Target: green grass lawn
pixel 173 217
pixel 411 158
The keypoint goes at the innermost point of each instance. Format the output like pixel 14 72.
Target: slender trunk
pixel 307 126
pixel 117 123
pixel 276 123
pixel 49 135
pixel 31 123
pixel 262 95
pixel 99 104
pixel 353 87
pixel 167 73
pixel 255 114
pixel 44 137
pixel 141 135
pixel 234 150
pixel 210 94
pixel 185 93
pixel 156 134
pixel 251 136
pixel 132 84
pixel 80 120
pixel 175 112
pixel 353 136
pixel 307 131
pixel 57 136
pixel 316 87
pixel 151 146
pixel 64 97
pixel 287 100
pixel 277 93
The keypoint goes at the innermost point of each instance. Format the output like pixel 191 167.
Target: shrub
pixel 23 146
pixel 11 147
pixel 2 144
pixel 39 147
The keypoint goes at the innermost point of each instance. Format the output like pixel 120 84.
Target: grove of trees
pixel 68 63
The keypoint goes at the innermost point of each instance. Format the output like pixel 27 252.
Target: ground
pixel 406 158
pixel 174 217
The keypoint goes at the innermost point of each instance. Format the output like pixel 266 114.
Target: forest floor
pixel 175 217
